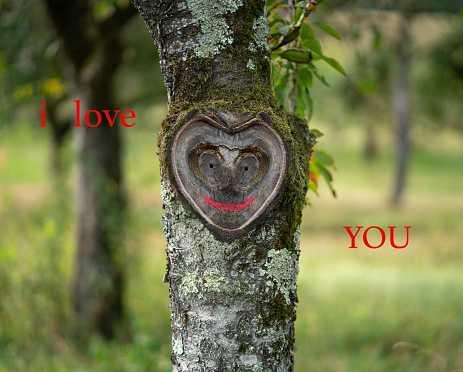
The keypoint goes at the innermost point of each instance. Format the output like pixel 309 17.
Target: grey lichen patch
pixel 217 36
pixel 187 230
pixel 282 268
pixel 177 348
pixel 189 284
pixel 266 233
pixel 248 360
pixel 251 65
pixel 213 281
pixel 167 193
pixel 297 238
pixel 216 32
pixel 210 281
pixel 261 30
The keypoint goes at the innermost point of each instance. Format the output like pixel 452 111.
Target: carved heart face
pixel 229 176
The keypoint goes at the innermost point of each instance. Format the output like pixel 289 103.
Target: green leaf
pixel 335 64
pixel 314 45
pixel 328 29
pixel 316 133
pixel 304 101
pixel 326 174
pixel 300 103
pixel 317 75
pixel 276 9
pixel 283 29
pixel 271 24
pixel 310 106
pixel 314 169
pixel 270 5
pixel 297 55
pixel 288 66
pixel 284 77
pixel 330 185
pixel 322 79
pixel 306 76
pixel 283 88
pixel 325 158
pixel 291 35
pixel 322 168
pixel 313 187
pixel 306 32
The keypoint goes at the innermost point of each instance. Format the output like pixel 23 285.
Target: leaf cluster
pixel 296 53
pixel 27 57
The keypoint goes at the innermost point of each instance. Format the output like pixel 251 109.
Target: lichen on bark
pixel 219 286
pixel 226 285
pixel 216 33
pixel 282 269
pixel 233 303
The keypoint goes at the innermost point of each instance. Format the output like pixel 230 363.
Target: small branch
pixel 295 91
pixel 293 33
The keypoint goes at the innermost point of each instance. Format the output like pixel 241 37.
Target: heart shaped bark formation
pixel 229 171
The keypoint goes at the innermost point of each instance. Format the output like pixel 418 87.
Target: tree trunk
pixel 60 128
pixel 234 170
pixel 92 51
pixel 402 106
pixel 370 150
pixel 98 279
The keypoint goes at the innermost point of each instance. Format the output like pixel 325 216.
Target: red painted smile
pixel 229 207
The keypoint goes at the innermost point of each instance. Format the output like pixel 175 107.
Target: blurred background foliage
pixel 360 309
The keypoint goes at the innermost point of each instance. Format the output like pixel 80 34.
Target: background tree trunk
pixel 233 299
pixel 92 54
pixel 370 149
pixel 401 105
pixel 60 126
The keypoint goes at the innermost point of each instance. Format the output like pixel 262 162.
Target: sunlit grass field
pixel 360 310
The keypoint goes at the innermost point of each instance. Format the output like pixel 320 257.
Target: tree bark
pixel 232 289
pixel 92 50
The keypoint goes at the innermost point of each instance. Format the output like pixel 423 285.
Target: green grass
pixel 355 304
